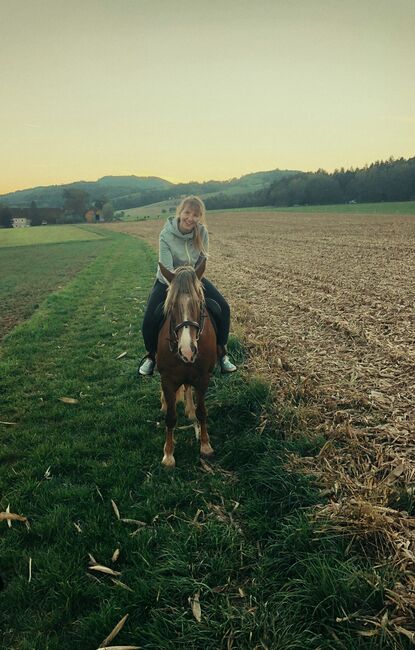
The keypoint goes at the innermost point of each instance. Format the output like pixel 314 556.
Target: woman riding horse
pixel 184 240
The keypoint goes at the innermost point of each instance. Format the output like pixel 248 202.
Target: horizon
pixel 182 90
pixel 176 182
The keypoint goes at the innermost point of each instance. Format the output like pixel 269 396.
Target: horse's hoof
pixel 209 456
pixel 168 462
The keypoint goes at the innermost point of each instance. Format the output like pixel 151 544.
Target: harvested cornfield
pixel 325 304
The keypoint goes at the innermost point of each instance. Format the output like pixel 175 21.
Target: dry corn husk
pixel 11 516
pixel 136 522
pixel 114 632
pixel 103 569
pixel 115 508
pixel 195 606
pixel 120 647
pixel 118 583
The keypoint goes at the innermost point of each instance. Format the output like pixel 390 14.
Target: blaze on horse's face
pixel 183 302
pixel 186 335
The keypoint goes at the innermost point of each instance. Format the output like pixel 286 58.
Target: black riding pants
pixel 158 295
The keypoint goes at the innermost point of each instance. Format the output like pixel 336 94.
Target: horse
pixel 186 354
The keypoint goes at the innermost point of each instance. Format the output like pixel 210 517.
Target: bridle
pixel 175 329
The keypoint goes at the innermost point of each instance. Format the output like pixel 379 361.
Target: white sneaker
pixel 226 364
pixel 147 367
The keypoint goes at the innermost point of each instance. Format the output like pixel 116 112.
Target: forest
pixel 390 180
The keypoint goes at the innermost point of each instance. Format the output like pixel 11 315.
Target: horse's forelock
pixel 185 282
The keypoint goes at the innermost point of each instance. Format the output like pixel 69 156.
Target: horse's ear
pixel 166 273
pixel 200 269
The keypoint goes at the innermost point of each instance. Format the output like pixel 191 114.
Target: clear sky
pixel 202 89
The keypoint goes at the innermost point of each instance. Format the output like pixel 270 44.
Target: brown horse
pixel 186 354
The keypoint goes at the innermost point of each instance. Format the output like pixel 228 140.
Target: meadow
pixel 228 555
pixel 155 210
pixel 398 207
pixel 28 273
pixel 44 235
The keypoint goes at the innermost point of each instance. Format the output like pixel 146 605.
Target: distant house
pixel 22 216
pixel 21 222
pixel 94 215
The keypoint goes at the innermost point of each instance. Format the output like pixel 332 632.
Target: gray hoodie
pixel 176 249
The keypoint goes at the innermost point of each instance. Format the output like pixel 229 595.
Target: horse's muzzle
pixel 188 358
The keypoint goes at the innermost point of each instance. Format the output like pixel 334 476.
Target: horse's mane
pixel 185 282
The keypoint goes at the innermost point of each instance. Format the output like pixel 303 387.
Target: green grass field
pixel 402 208
pixel 237 533
pixel 29 273
pixel 45 235
pixel 154 210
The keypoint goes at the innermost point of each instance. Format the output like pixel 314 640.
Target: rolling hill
pixel 133 191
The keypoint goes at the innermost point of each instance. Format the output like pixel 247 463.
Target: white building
pixel 21 222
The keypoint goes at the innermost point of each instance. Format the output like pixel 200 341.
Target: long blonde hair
pixel 196 203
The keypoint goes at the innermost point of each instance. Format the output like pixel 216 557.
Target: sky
pixel 202 89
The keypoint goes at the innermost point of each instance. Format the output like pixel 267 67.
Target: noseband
pixel 175 329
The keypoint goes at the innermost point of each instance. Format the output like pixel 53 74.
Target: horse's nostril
pixel 183 357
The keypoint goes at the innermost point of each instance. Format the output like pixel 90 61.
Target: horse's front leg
pixel 206 450
pixel 170 419
pixel 179 398
pixel 190 409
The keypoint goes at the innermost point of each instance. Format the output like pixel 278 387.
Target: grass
pixel 238 532
pixel 152 211
pixel 30 274
pixel 401 208
pixel 45 235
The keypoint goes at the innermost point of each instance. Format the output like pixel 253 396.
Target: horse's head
pixel 183 305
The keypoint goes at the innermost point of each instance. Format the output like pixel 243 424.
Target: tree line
pixel 390 180
pixel 76 204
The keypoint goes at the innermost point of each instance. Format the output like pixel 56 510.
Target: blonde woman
pixel 184 240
